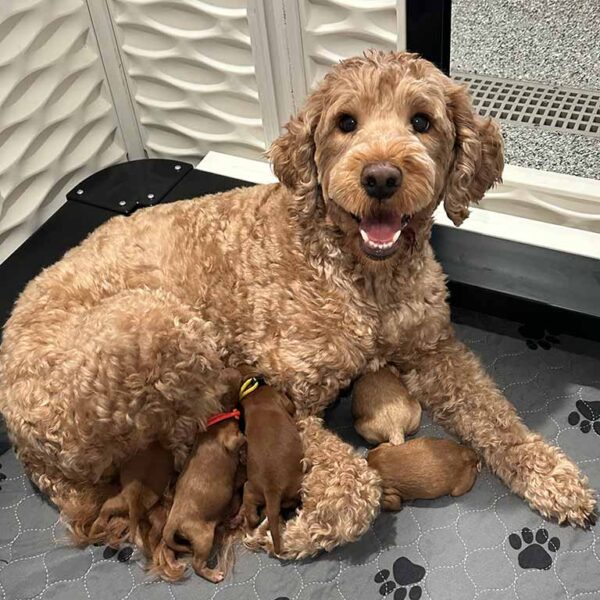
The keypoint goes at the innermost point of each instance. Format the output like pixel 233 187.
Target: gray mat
pixel 486 544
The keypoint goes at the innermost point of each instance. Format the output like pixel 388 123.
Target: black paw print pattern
pixel 590 411
pixel 534 555
pixel 2 476
pixel 123 555
pixel 537 336
pixel 406 575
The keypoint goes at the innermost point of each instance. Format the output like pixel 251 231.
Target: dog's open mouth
pixel 381 233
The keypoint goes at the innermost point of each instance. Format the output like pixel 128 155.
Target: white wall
pixel 177 79
pixel 191 74
pixel 333 30
pixel 57 122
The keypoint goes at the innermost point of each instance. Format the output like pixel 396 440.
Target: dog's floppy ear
pixel 293 152
pixel 478 156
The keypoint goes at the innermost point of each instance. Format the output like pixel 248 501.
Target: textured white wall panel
pixel 57 124
pixel 336 29
pixel 192 74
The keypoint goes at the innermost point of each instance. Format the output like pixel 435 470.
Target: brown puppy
pixel 161 559
pixel 143 481
pixel 424 468
pixel 382 408
pixel 203 494
pixel 274 457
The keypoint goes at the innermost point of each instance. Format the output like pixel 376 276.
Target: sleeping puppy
pixel 204 494
pixel 382 408
pixel 274 456
pixel 424 468
pixel 143 481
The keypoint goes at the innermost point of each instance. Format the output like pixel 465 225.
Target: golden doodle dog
pixel 314 281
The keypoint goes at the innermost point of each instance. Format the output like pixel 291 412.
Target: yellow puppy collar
pixel 251 384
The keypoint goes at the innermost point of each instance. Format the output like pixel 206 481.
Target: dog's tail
pixel 273 510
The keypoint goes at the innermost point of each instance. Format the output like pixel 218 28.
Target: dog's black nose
pixel 381 180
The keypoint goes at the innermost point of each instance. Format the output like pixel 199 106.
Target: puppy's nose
pixel 381 180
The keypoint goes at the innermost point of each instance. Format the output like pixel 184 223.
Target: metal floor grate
pixel 563 110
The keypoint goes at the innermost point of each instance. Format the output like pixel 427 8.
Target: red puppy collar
pixel 234 414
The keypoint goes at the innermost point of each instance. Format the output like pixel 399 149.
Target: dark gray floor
pixel 549 41
pixel 449 549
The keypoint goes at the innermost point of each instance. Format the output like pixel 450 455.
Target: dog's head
pixel 385 138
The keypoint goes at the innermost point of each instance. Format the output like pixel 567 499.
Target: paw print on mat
pixel 534 555
pixel 538 337
pixel 406 575
pixel 590 411
pixel 123 555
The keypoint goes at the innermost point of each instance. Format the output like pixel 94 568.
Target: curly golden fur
pixel 120 344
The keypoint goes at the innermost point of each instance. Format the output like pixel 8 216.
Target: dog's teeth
pixel 396 236
pixel 378 245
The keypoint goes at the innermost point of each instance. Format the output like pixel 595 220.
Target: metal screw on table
pixel 79 192
pixel 122 203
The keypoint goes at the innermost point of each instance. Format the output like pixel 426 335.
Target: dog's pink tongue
pixel 381 228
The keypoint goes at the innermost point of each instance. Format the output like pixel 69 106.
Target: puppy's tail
pixel 169 533
pixel 133 494
pixel 165 565
pixel 397 438
pixel 273 510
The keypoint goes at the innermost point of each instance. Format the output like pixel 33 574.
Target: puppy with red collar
pixel 205 493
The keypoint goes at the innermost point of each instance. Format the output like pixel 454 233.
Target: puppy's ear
pixel 231 380
pixel 233 441
pixel 293 152
pixel 478 156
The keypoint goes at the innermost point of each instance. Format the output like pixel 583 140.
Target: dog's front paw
pixel 553 485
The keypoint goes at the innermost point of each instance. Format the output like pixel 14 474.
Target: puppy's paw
pixel 390 499
pixel 214 575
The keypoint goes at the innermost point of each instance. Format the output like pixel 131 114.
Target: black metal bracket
pixel 125 187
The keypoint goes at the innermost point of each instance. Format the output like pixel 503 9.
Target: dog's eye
pixel 347 123
pixel 420 123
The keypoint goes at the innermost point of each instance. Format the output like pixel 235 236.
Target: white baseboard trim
pixel 557 192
